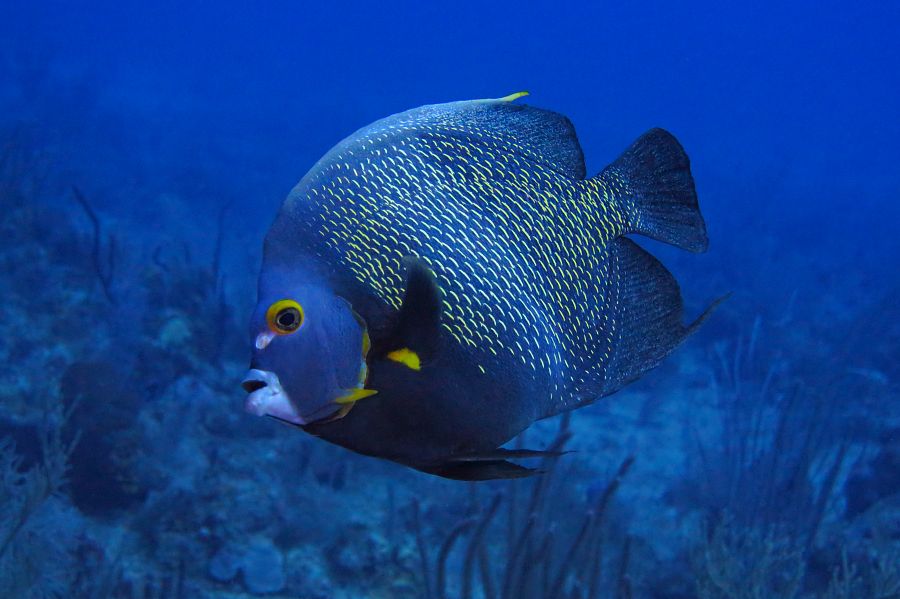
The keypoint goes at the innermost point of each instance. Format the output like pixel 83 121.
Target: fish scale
pixel 511 240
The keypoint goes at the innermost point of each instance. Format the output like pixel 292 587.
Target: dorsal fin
pixel 542 136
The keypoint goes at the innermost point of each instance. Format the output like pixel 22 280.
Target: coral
pixel 868 563
pixel 533 558
pixel 734 562
pixel 35 539
pixel 774 451
pixel 103 253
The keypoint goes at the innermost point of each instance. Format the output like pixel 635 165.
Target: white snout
pixel 267 397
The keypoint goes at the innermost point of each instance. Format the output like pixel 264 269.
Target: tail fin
pixel 648 319
pixel 654 178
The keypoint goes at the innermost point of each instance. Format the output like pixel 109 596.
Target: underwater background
pixel 144 151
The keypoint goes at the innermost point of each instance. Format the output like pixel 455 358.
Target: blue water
pixel 144 151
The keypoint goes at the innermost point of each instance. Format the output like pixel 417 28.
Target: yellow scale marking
pixel 516 248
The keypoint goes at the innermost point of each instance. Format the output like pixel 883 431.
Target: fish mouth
pixel 266 397
pixel 251 385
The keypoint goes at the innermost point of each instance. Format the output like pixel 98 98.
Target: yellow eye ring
pixel 284 317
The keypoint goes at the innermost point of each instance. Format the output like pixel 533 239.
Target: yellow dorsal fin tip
pixel 514 96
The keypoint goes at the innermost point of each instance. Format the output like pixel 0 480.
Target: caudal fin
pixel 653 180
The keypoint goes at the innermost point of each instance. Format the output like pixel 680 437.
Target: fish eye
pixel 284 317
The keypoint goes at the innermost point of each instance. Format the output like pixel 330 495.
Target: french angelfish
pixel 446 276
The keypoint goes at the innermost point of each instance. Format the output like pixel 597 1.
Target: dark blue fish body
pixel 492 281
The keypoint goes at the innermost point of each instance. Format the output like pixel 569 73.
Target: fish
pixel 446 276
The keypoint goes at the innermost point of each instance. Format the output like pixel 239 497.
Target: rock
pixel 175 332
pixel 349 559
pixel 225 564
pixel 260 563
pixel 308 573
pixel 263 567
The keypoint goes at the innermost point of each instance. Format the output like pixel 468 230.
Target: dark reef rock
pixel 103 476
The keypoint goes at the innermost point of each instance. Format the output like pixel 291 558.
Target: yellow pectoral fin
pixel 342 411
pixel 366 343
pixel 354 395
pixel 407 357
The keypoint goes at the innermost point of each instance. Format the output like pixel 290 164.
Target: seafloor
pixel 760 461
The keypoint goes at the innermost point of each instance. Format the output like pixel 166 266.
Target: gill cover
pixel 309 355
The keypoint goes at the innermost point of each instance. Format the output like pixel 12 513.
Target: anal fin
pixel 649 319
pixel 645 320
pixel 507 454
pixel 481 470
pixel 490 465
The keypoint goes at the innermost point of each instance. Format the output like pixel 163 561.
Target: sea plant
pixel 528 556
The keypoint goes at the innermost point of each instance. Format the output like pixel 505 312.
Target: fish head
pixel 309 354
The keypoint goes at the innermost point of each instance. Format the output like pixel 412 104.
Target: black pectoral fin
pixel 418 326
pixel 420 314
pixel 481 470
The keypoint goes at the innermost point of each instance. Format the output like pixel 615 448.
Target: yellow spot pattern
pixel 518 249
